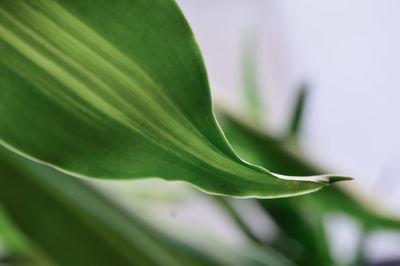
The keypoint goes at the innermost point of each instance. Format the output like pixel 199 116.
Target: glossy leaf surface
pixel 118 89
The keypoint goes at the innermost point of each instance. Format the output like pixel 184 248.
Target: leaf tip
pixel 322 179
pixel 334 179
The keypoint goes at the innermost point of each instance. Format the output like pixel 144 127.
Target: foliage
pixel 118 97
pixel 118 90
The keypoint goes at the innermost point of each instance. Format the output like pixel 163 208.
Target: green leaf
pixel 76 225
pixel 302 225
pixel 18 249
pixel 119 90
pixel 10 237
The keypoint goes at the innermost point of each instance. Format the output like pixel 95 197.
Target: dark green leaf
pixel 298 111
pixel 76 225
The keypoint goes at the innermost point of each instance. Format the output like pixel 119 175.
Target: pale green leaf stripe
pixel 119 90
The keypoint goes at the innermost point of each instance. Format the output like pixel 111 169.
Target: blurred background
pixel 347 52
pixel 259 55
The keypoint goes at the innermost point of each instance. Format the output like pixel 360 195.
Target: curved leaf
pixel 117 89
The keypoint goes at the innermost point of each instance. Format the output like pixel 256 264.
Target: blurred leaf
pixel 76 225
pixel 10 237
pixel 18 248
pixel 305 227
pixel 118 90
pixel 298 111
pixel 307 232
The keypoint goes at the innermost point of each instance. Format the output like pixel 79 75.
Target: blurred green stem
pixel 237 219
pixel 298 112
pixel 250 80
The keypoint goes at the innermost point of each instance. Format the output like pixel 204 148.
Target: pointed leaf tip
pixel 322 179
pixel 334 179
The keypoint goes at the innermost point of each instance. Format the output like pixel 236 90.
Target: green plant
pixel 118 90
